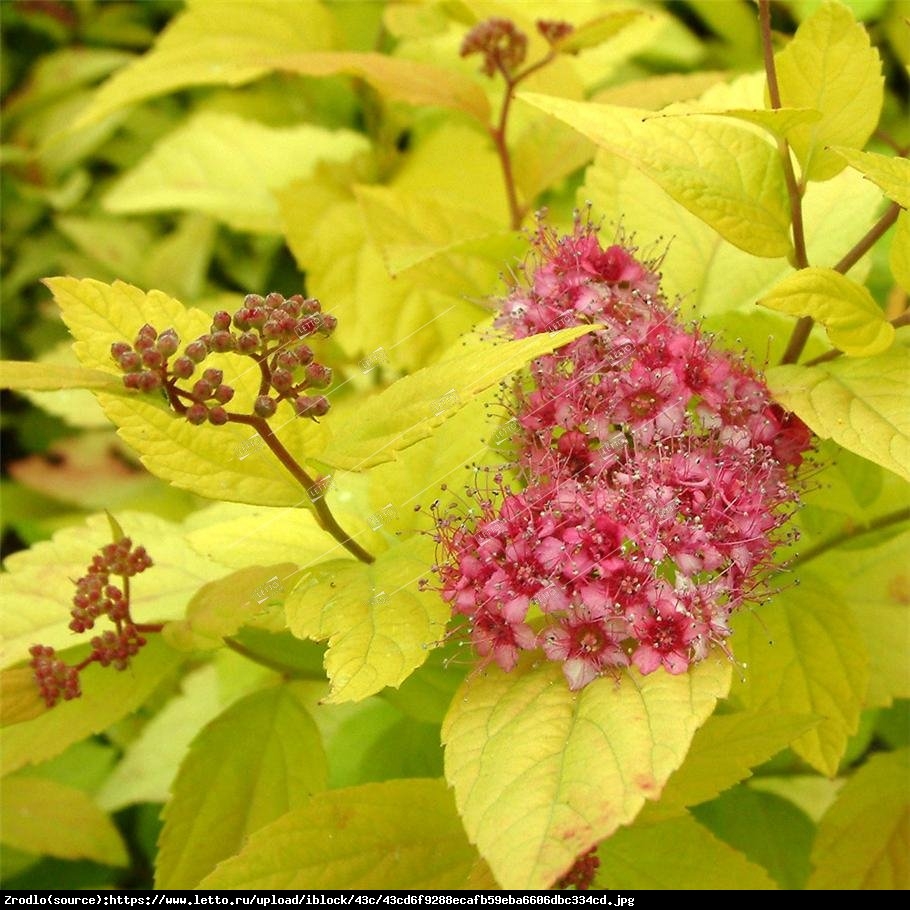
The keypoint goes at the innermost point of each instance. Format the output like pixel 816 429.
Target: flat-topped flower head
pixel 655 473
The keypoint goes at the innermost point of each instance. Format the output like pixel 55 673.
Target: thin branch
pixel 834 353
pixel 803 327
pixel 793 189
pixel 498 133
pixel 798 339
pixel 324 515
pixel 869 239
pixel 260 659
pixel 877 524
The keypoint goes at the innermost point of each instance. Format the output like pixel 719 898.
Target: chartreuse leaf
pixel 25 375
pixel 211 44
pixel 19 696
pixel 900 251
pixel 450 456
pixel 107 696
pixel 228 167
pixel 397 834
pixel 768 829
pixel 408 229
pixel 854 321
pixel 40 581
pixel 675 854
pixel 151 760
pixel 830 66
pixel 402 80
pixel 411 408
pixel 875 584
pixel 260 758
pixel 698 262
pixel 889 173
pixel 541 774
pixel 723 752
pixel 412 319
pixel 595 31
pixel 241 535
pixel 220 608
pixel 810 793
pixel 366 746
pixel 48 818
pixel 862 839
pixel 378 625
pixel 724 174
pixel 76 406
pixel 780 122
pixel 805 655
pixel 859 403
pixel 218 462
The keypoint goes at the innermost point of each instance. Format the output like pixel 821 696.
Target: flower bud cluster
pixel 272 330
pixel 96 596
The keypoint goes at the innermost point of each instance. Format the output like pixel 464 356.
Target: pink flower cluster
pixel 655 473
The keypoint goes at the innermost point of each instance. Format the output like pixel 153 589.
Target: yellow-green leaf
pixel 402 80
pixel 150 762
pixel 697 262
pixel 677 854
pixel 723 173
pixel 213 43
pixel 402 834
pixel 854 321
pixel 19 696
pixel 411 408
pixel 42 816
pixel 40 581
pixel 107 696
pixel 240 535
pixel 229 462
pixel 228 167
pixel 804 655
pixel 24 375
pixel 221 607
pixel 876 585
pixel 900 251
pixel 594 31
pixel 411 318
pixel 777 121
pixel 408 229
pixel 863 839
pixel 810 793
pixel 888 172
pixel 830 66
pixel 378 625
pixel 860 403
pixel 723 753
pixel 768 829
pixel 417 475
pixel 260 758
pixel 541 774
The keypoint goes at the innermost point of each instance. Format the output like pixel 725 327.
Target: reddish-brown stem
pixel 834 353
pixel 148 627
pixel 498 134
pixel 869 239
pixel 803 327
pixel 323 514
pixel 277 666
pixel 877 524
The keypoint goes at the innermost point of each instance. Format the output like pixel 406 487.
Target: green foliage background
pixel 170 158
